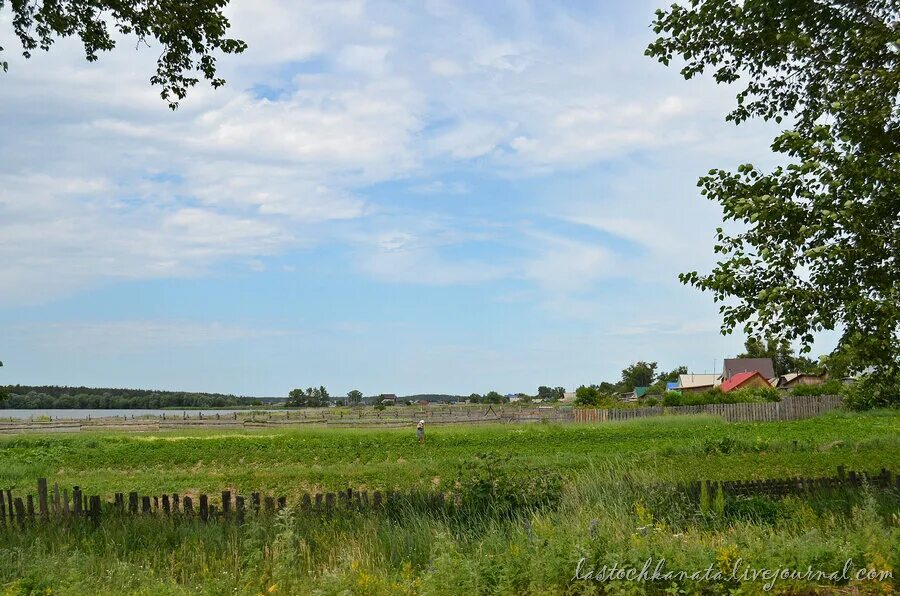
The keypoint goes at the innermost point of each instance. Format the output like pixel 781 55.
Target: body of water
pixel 73 414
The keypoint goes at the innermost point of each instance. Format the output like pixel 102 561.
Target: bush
pixel 716 396
pixel 873 391
pixel 832 387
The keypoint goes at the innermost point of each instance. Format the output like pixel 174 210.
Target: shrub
pixel 716 396
pixel 832 387
pixel 873 391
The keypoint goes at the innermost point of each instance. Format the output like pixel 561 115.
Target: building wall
pixel 754 381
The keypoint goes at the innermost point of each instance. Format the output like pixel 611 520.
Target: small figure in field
pixel 420 431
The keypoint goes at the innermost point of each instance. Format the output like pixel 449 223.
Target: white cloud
pixel 105 337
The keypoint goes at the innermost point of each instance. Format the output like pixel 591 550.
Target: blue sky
pixel 391 196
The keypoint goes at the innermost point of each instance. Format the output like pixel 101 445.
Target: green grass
pixel 598 517
pixel 290 461
pixel 610 507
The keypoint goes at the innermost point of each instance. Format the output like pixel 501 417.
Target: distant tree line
pixel 55 397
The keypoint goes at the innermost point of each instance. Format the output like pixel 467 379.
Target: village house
pixel 735 366
pixel 745 380
pixel 791 380
pixel 697 382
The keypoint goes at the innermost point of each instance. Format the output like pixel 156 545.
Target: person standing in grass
pixel 420 431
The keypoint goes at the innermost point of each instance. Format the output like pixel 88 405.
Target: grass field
pixel 293 461
pixel 609 506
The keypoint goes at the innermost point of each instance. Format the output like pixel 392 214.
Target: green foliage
pixel 873 391
pixel 782 354
pixel 293 460
pixel 189 34
pixel 551 393
pixel 53 397
pixel 354 397
pixel 599 516
pixel 830 387
pixel 492 397
pixel 671 376
pixel 639 374
pixel 716 396
pixel 486 485
pixel 313 397
pixel 818 237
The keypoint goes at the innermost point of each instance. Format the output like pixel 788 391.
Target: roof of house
pixel 739 379
pixel 734 366
pixel 671 385
pixel 641 391
pixel 690 381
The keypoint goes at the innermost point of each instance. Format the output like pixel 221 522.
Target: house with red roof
pixel 744 380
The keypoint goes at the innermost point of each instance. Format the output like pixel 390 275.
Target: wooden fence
pixel 793 407
pixel 55 504
pixel 401 416
pixel 798 485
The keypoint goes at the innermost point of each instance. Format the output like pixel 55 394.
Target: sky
pixel 397 197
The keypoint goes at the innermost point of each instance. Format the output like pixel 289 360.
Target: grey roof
pixel 693 381
pixel 734 366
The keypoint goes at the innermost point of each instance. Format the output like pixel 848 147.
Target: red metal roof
pixel 739 379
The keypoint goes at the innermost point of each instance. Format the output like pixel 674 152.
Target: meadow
pixel 595 492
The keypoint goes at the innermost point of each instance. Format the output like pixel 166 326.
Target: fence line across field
pixel 789 408
pixel 793 407
pixel 58 504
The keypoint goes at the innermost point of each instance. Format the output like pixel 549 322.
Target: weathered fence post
pixel 42 497
pixel 254 502
pixel 270 504
pixel 282 503
pixel 175 500
pixel 145 505
pixel 30 508
pixel 204 507
pixel 2 510
pixel 239 502
pixel 66 502
pixel 76 500
pixel 188 505
pixel 95 509
pixel 132 503
pixel 57 504
pixel 165 505
pixel 20 511
pixel 226 504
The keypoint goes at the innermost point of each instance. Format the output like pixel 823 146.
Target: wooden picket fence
pixel 53 503
pixel 793 407
pixel 797 485
pixel 56 504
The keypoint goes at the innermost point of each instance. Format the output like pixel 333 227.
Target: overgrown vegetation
pixel 605 515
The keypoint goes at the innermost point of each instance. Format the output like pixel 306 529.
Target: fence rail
pixel 53 503
pixel 793 407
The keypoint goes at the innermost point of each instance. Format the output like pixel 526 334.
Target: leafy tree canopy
pixel 639 374
pixel 312 397
pixel 551 393
pixel 189 33
pixel 779 350
pixel 354 397
pixel 818 245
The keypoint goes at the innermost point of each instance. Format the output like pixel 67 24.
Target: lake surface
pixel 61 414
